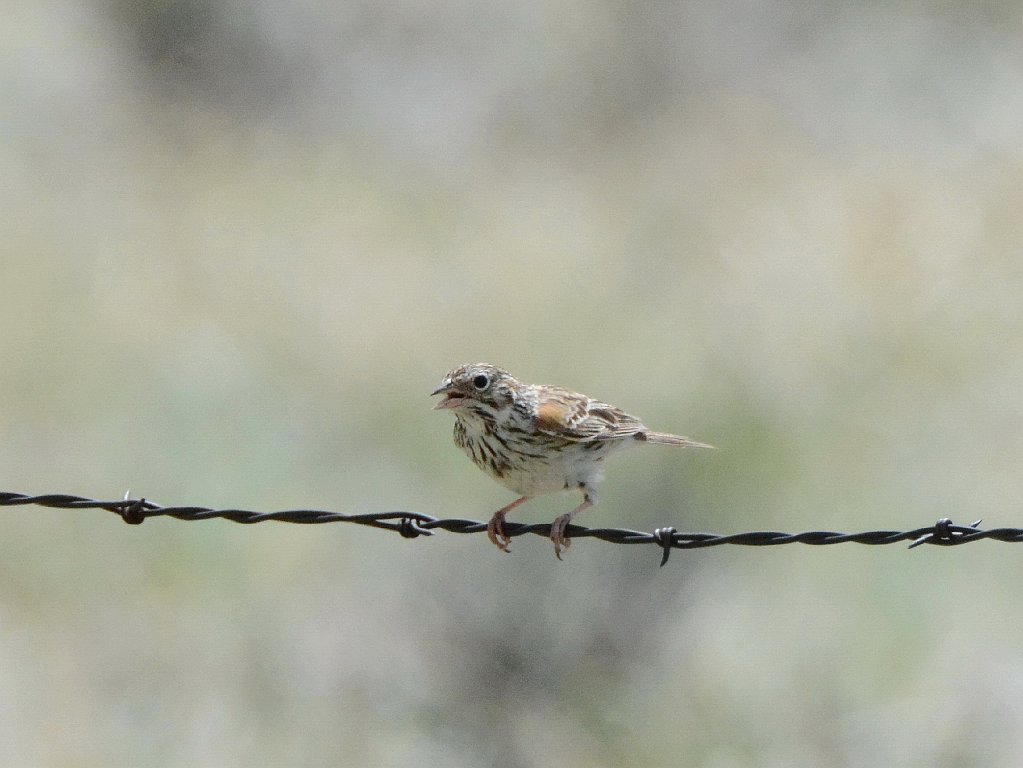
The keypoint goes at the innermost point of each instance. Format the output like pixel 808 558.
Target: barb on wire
pixel 413 524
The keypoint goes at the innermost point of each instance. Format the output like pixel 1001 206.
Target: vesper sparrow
pixel 535 439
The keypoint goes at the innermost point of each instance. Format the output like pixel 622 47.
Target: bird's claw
pixel 496 534
pixel 561 542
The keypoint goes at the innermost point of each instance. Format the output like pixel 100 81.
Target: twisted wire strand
pixel 413 524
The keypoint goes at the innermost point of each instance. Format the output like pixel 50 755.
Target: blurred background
pixel 241 244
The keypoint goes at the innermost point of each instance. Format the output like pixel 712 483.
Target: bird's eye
pixel 481 381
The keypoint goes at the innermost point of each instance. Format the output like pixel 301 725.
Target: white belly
pixel 540 479
pixel 574 466
pixel 563 465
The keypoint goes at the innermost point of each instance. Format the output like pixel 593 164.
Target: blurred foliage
pixel 243 241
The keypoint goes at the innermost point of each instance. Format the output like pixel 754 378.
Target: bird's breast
pixel 527 462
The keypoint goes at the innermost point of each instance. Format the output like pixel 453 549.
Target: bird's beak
pixel 451 400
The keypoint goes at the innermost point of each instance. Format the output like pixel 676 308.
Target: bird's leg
pixel 495 528
pixel 560 523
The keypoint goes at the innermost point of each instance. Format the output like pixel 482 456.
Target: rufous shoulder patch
pixel 552 416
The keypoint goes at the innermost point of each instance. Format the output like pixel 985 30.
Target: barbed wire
pixel 413 524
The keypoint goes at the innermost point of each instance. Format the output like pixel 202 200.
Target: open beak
pixel 452 399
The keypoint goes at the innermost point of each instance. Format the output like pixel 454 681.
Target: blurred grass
pixel 241 245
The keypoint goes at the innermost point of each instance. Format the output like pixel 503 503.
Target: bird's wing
pixel 575 417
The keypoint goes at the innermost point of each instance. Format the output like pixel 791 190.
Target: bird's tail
pixel 663 438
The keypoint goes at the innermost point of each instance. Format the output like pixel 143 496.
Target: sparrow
pixel 536 439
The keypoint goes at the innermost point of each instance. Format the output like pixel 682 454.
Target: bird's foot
pixel 495 532
pixel 561 542
pixel 495 528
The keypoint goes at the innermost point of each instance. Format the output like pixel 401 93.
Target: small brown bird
pixel 536 439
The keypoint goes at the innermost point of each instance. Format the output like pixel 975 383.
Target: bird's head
pixel 474 385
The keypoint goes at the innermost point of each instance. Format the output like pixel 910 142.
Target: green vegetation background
pixel 243 241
